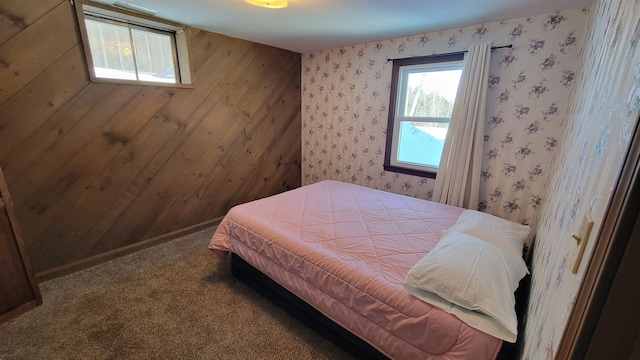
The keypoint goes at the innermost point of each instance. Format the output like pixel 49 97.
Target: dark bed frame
pixel 335 333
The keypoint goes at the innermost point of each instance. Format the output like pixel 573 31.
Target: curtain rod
pixel 453 53
pixel 502 47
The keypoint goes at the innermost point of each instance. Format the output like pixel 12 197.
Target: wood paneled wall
pixel 95 167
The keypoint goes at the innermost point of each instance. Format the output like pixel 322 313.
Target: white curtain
pixel 458 179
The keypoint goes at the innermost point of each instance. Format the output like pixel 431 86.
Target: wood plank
pixel 258 180
pixel 171 121
pixel 241 106
pixel 215 72
pixel 19 311
pixel 94 166
pixel 193 32
pixel 96 197
pixel 53 199
pixel 122 251
pixel 280 171
pixel 285 113
pixel 21 158
pixel 204 44
pixel 27 183
pixel 31 51
pixel 222 119
pixel 53 130
pixel 17 15
pixel 241 161
pixel 236 186
pixel 106 143
pixel 285 162
pixel 16 278
pixel 40 99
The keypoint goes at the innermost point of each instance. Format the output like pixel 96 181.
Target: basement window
pixel 126 47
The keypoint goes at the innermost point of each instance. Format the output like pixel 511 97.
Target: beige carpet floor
pixel 173 301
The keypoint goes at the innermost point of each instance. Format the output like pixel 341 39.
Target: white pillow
pixel 471 279
pixel 506 235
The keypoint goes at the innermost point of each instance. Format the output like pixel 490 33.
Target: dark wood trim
pixel 617 332
pixel 393 94
pixel 19 310
pixel 426 174
pixel 126 250
pixel 429 59
pixel 612 242
pixel 493 48
pixel 8 207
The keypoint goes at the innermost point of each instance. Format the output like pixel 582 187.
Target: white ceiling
pixel 308 25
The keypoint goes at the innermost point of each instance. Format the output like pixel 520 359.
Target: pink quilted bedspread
pixel 345 249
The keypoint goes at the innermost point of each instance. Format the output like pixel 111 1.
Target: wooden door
pixel 18 290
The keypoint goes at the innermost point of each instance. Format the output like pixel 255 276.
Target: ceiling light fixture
pixel 271 4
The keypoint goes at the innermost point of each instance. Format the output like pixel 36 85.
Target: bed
pixel 361 257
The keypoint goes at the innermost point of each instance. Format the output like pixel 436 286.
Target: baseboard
pixel 18 311
pixel 125 250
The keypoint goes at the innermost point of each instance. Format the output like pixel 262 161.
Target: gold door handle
pixel 581 238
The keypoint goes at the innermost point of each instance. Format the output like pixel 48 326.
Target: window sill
pixel 137 82
pixel 397 169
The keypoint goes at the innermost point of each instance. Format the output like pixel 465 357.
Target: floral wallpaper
pixel 561 106
pixel 603 111
pixel 346 99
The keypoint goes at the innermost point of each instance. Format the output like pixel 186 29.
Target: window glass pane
pixel 431 93
pixel 121 47
pixel 111 50
pixel 421 143
pixel 124 52
pixel 154 53
pixel 423 100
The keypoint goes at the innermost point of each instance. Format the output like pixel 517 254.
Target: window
pixel 127 48
pixel 423 92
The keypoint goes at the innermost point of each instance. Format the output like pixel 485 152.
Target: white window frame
pixel 402 68
pixel 179 32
